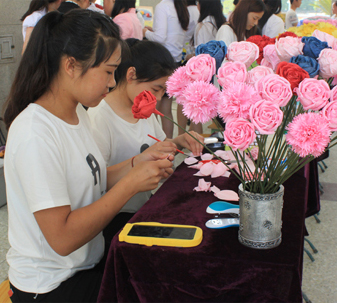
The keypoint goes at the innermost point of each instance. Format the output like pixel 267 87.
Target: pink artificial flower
pixel 333 94
pixel 266 116
pixel 201 101
pixel 270 55
pixel 177 82
pixel 254 152
pixel 334 81
pixel 330 113
pixel 266 63
pixel 239 134
pixel 243 51
pixel 274 88
pixel 201 68
pixel 313 94
pixel 257 73
pixel 327 61
pixel 331 40
pixel 231 71
pixel 288 47
pixel 236 101
pixel 308 134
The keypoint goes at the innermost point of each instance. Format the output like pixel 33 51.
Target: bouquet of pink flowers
pixel 284 105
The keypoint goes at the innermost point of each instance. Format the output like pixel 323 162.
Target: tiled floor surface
pixel 319 277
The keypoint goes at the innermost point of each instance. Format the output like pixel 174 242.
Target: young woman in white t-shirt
pixel 270 24
pixel 37 9
pixel 242 22
pixel 60 194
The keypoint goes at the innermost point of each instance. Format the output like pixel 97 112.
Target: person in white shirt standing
pixel 170 23
pixel 334 10
pixel 291 16
pixel 271 24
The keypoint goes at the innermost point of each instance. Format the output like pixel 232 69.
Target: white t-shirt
pixel 32 20
pixel 94 8
pixel 291 18
pixel 205 31
pixel 49 163
pixel 167 29
pixel 226 34
pixel 120 140
pixel 273 27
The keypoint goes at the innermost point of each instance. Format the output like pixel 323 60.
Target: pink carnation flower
pixel 308 134
pixel 313 94
pixel 266 116
pixel 330 113
pixel 177 82
pixel 201 101
pixel 231 71
pixel 236 101
pixel 239 134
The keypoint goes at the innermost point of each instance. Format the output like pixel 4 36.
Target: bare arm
pixel 28 34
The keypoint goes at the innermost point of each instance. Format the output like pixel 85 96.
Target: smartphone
pixel 154 233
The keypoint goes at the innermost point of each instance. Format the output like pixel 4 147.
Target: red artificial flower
pixel 286 34
pixel 292 72
pixel 261 42
pixel 144 105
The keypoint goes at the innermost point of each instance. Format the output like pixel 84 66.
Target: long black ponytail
pixel 182 12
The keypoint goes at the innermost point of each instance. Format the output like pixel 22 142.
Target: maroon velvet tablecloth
pixel 220 269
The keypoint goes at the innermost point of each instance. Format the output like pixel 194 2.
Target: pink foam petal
pixel 195 166
pixel 227 195
pixel 207 168
pixel 226 174
pixel 199 174
pixel 218 170
pixel 206 156
pixel 190 160
pixel 214 189
pixel 222 154
pixel 203 185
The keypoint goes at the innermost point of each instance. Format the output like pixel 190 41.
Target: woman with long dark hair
pixel 60 193
pixel 171 20
pixel 37 9
pixel 270 24
pixel 242 22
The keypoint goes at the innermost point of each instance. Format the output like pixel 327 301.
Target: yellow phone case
pixel 149 241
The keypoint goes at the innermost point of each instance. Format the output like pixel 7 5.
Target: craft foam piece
pixel 226 174
pixel 190 160
pixel 206 156
pixel 203 185
pixel 214 189
pixel 207 168
pixel 228 195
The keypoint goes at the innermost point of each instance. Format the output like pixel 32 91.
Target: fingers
pixel 193 145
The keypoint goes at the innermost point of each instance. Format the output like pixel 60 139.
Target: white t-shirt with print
pixel 49 163
pixel 32 20
pixel 291 18
pixel 205 31
pixel 120 140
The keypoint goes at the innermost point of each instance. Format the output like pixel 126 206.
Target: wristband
pixel 132 160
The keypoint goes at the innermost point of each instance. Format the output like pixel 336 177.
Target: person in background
pixel 242 22
pixel 124 15
pixel 270 24
pixel 117 133
pixel 334 10
pixel 93 7
pixel 37 9
pixel 291 16
pixel 66 6
pixel 60 194
pixel 171 20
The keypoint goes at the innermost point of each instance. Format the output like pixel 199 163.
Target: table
pixel 220 269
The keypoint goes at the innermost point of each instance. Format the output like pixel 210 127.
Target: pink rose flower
pixel 177 82
pixel 288 47
pixel 266 63
pixel 330 113
pixel 331 40
pixel 333 94
pixel 308 134
pixel 239 134
pixel 313 94
pixel 327 61
pixel 274 88
pixel 201 68
pixel 266 116
pixel 236 101
pixel 231 71
pixel 243 51
pixel 270 55
pixel 257 73
pixel 334 81
pixel 201 101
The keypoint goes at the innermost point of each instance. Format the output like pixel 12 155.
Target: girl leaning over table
pixel 121 136
pixel 60 193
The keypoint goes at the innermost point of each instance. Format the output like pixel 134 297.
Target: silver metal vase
pixel 260 219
